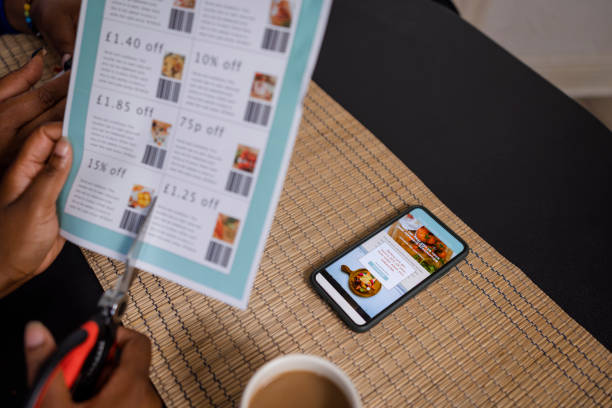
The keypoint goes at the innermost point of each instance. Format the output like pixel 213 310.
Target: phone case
pixel 399 302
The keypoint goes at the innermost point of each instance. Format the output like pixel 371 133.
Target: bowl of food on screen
pixel 361 281
pixel 424 246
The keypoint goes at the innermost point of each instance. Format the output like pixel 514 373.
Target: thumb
pixel 48 184
pixel 23 79
pixel 31 160
pixel 38 346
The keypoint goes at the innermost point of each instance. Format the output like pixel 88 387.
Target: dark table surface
pixel 519 161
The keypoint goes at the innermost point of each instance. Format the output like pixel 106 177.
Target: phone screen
pixel 382 269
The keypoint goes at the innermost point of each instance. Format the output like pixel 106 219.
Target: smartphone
pixel 372 279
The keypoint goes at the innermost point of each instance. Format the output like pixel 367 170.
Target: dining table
pixel 523 164
pixel 409 105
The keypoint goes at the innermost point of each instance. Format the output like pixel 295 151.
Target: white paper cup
pixel 300 362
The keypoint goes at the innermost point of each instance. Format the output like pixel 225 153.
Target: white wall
pixel 569 42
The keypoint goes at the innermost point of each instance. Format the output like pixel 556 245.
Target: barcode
pixel 154 156
pixel 218 253
pixel 257 113
pixel 131 221
pixel 168 90
pixel 275 40
pixel 239 183
pixel 181 20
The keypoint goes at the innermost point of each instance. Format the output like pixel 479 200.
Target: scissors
pixel 86 351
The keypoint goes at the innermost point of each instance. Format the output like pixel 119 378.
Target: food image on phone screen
pixel 388 265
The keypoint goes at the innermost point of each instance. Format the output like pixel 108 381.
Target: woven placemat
pixel 482 335
pixel 16 50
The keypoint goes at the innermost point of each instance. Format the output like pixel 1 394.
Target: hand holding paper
pixel 28 218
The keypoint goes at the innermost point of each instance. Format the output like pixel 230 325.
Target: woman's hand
pixel 56 19
pixel 23 109
pixel 128 385
pixel 28 220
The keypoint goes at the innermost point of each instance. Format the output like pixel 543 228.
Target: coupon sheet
pixel 195 103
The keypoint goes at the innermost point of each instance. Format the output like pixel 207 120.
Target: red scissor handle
pixel 70 358
pixel 72 364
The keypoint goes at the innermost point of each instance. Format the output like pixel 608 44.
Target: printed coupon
pixel 193 104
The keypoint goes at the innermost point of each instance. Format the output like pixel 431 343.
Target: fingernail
pixel 65 58
pixel 35 53
pixel 61 147
pixel 68 65
pixel 34 335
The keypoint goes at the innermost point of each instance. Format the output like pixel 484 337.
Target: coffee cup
pixel 277 369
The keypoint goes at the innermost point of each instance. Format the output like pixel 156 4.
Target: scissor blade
pixel 142 231
pixel 124 283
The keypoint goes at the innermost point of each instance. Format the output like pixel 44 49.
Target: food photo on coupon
pixel 280 13
pixel 241 175
pixel 189 4
pixel 169 86
pixel 278 32
pixel 246 157
pixel 259 106
pixel 138 206
pixel 156 148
